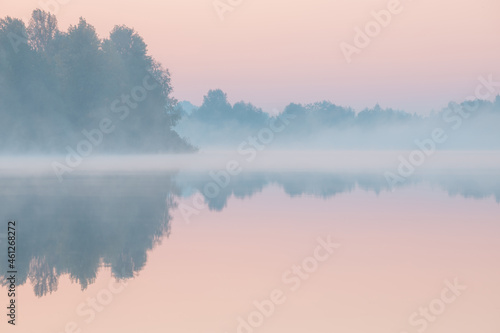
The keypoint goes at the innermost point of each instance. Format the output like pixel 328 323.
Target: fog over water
pixel 263 160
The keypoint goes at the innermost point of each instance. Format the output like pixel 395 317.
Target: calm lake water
pixel 276 251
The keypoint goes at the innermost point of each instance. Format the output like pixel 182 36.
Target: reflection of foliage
pixel 242 186
pixel 316 184
pixel 83 224
pixel 44 278
pixel 326 185
pixel 478 187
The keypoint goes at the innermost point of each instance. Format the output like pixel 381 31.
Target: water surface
pixel 140 252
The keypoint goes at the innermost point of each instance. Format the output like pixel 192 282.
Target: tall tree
pixel 42 30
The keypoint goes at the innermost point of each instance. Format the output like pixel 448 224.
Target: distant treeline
pixel 324 125
pixel 54 85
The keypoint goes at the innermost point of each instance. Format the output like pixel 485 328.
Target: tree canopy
pixel 55 84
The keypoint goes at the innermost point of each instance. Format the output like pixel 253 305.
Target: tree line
pixel 55 84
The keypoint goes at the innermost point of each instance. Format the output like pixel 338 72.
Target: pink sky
pixel 273 52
